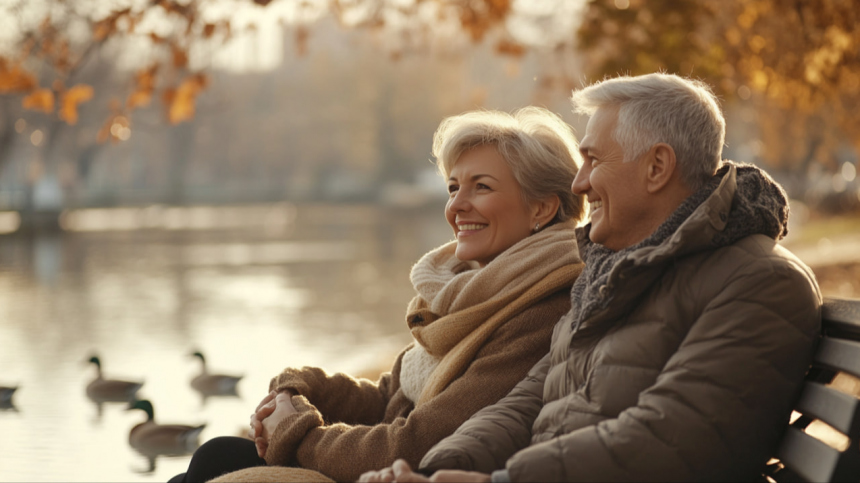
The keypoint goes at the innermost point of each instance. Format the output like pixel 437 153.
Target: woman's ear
pixel 544 210
pixel 661 166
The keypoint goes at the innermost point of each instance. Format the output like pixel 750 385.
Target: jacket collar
pixel 719 214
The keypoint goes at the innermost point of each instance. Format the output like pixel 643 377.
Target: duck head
pixel 199 355
pixel 144 405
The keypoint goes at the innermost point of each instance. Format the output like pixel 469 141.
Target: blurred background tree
pixel 796 63
pixel 790 68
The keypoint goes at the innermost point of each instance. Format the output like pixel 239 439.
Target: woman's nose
pixel 459 201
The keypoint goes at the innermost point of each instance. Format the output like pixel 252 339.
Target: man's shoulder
pixel 762 259
pixel 760 251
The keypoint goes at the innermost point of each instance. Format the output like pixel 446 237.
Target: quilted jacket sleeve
pixel 491 436
pixel 344 452
pixel 721 402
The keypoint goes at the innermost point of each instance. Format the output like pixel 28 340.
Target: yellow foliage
pixel 144 87
pixel 180 57
pixel 15 79
pixel 39 100
pixel 507 47
pixel 804 59
pixel 70 100
pixel 181 101
pixel 759 80
pixel 757 42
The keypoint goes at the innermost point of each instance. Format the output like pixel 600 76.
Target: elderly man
pixel 690 329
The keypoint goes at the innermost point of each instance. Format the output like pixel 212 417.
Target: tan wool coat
pixel 482 339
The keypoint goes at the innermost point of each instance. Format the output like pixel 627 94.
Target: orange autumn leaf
pixel 39 100
pixel 70 100
pixel 15 79
pixel 108 26
pixel 103 29
pixel 138 99
pixel 180 57
pixel 142 95
pixel 181 100
pixel 507 47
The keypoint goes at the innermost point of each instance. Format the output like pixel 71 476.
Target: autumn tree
pixel 796 62
pixel 173 38
pixel 57 39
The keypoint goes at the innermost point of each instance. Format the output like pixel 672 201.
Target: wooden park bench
pixel 802 457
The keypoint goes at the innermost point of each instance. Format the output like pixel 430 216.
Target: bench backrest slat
pixel 831 406
pixel 839 355
pixel 801 454
pixel 841 316
pixel 811 459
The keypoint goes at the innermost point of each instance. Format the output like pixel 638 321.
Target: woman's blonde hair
pixel 538 145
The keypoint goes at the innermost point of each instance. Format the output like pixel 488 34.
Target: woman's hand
pixel 264 409
pixel 256 422
pixel 270 416
pixel 262 425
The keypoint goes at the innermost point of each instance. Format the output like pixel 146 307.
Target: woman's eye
pixel 452 188
pixel 482 186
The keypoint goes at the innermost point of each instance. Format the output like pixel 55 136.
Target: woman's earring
pixel 537 226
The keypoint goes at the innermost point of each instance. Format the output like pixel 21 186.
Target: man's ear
pixel 661 166
pixel 544 210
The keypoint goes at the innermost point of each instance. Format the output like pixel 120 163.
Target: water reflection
pixel 6 393
pixel 327 289
pixel 8 406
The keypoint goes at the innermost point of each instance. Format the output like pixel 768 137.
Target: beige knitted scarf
pixel 459 305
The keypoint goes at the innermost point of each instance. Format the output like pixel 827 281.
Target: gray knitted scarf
pixel 759 206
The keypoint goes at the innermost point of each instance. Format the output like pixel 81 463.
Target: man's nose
pixel 581 183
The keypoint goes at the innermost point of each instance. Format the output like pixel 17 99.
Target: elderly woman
pixel 485 307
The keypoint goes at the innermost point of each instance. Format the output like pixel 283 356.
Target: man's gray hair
pixel 662 108
pixel 538 145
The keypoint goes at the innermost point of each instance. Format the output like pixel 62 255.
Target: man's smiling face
pixel 614 189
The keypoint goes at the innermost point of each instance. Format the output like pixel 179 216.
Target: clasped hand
pixel 273 409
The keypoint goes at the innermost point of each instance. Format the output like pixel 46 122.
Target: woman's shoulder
pixel 543 314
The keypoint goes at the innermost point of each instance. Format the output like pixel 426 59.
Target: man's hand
pixel 460 476
pixel 400 472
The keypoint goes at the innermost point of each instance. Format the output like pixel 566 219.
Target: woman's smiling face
pixel 485 206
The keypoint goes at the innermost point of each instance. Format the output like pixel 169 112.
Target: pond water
pixel 327 288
